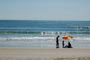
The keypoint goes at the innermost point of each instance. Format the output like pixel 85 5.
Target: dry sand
pixel 44 54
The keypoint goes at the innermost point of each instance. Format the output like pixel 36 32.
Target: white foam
pixel 28 38
pixel 81 38
pixel 41 38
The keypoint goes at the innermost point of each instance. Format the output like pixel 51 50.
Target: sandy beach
pixel 44 54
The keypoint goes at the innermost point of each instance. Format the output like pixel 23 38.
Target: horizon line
pixel 51 19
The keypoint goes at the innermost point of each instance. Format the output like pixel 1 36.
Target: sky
pixel 45 9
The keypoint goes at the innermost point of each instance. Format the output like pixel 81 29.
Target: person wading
pixel 57 41
pixel 63 44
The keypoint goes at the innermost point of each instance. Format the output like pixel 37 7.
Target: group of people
pixel 63 43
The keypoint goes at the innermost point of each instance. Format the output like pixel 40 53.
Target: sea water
pixel 43 33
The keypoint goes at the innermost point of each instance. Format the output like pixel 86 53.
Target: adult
pixel 57 41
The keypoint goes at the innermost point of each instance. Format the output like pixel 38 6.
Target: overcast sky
pixel 45 9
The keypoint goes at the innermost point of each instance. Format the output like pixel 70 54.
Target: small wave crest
pixel 28 38
pixel 41 38
pixel 82 38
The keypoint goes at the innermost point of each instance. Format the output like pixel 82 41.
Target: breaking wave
pixel 41 38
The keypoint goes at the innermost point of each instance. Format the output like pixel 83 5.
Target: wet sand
pixel 44 54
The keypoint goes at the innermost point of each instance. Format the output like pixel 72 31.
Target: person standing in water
pixel 63 44
pixel 57 41
pixel 69 45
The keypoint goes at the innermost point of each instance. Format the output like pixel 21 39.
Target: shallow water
pixel 41 42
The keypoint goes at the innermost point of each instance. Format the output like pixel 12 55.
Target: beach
pixel 44 54
pixel 36 40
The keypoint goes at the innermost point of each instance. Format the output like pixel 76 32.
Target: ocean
pixel 43 33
